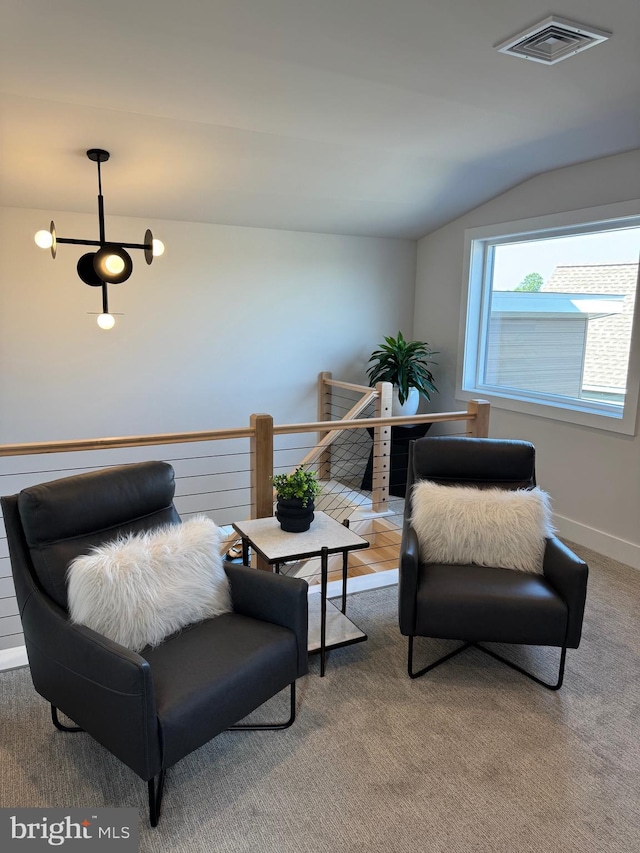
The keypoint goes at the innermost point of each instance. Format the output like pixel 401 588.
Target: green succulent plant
pixel 301 484
pixel 404 364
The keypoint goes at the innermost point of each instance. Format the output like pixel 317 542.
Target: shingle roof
pixel 608 338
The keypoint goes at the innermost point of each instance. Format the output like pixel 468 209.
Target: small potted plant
pixel 404 364
pixel 295 494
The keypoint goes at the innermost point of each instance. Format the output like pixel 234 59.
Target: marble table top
pixel 277 545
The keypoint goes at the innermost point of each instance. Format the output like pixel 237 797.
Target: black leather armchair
pixel 478 603
pixel 153 708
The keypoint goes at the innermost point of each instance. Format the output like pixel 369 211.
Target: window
pixel 549 316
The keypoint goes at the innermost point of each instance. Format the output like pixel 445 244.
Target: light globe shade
pixel 106 321
pixel 114 264
pixel 44 239
pixel 158 248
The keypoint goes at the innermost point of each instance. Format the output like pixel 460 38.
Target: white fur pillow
pixel 141 588
pixel 488 527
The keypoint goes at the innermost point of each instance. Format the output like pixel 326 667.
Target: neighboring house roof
pixel 608 338
pixel 580 305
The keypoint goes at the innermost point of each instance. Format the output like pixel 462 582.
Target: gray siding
pixel 536 354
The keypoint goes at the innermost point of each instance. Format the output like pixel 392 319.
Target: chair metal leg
pixel 155 798
pixel 530 675
pixel 156 789
pixel 61 726
pixel 492 654
pixel 420 672
pixel 260 727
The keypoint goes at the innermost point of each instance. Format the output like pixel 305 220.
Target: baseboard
pixel 604 543
pixel 17 657
pixel 361 514
pixel 361 583
pixel 581 534
pixel 13 658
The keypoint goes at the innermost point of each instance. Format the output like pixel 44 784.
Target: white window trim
pixel 475 305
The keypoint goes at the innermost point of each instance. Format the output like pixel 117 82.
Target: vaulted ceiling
pixel 372 117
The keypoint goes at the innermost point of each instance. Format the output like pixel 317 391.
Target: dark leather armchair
pixel 479 603
pixel 153 708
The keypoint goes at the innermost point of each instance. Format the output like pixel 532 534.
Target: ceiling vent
pixel 552 40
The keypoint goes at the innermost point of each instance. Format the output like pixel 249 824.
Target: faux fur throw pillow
pixel 141 588
pixel 488 527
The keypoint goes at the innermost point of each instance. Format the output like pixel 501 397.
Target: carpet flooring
pixel 472 758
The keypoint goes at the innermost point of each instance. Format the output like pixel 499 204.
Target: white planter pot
pixel 410 405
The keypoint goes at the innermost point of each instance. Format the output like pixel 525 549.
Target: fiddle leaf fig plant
pixel 404 364
pixel 301 484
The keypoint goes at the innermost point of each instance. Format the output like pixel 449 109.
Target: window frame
pixel 475 311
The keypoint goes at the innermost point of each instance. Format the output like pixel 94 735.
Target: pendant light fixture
pixel 111 263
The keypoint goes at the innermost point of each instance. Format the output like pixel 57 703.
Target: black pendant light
pixel 111 263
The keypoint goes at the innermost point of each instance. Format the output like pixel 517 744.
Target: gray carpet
pixel 472 757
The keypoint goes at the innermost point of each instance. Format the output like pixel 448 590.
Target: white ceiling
pixel 372 117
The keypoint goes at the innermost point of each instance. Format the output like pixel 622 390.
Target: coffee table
pixel 329 628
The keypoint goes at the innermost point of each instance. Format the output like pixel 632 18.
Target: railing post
pixel 381 450
pixel 324 414
pixel 261 460
pixel 478 423
pixel 261 453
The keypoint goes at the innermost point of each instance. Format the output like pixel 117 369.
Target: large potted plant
pixel 404 364
pixel 295 495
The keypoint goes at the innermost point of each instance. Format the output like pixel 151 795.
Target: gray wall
pixel 228 322
pixel 592 475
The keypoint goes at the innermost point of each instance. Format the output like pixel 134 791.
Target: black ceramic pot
pixel 293 517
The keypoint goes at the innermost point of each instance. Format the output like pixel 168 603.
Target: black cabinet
pixel 400 438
